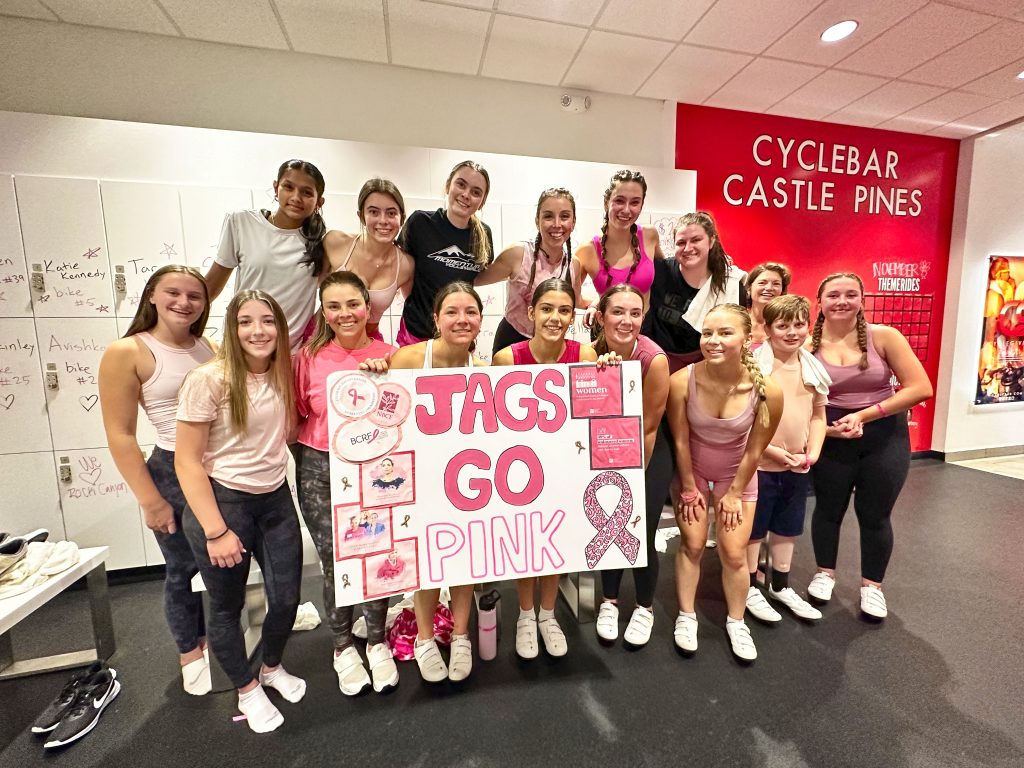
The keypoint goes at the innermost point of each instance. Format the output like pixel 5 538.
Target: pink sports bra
pixel 521 354
pixel 643 275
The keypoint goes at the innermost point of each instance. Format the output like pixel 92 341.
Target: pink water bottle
pixel 487 624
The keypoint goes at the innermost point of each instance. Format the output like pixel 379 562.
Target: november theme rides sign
pixel 463 475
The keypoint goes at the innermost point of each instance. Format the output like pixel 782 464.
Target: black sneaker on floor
pixel 84 712
pixel 50 717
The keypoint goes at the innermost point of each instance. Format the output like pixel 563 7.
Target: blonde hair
pixel 479 242
pixel 748 359
pixel 862 325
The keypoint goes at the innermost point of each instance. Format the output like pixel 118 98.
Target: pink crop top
pixel 853 388
pixel 521 354
pixel 643 276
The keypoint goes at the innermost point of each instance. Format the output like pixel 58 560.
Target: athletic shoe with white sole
pixel 608 622
pixel 50 717
pixel 526 637
pixel 741 641
pixel 83 714
pixel 685 633
pixel 821 587
pixel 553 636
pixel 352 675
pixel 461 662
pixel 638 631
pixel 759 608
pixel 428 658
pixel 382 667
pixel 12 550
pixel 800 607
pixel 872 602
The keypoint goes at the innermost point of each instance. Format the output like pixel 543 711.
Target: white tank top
pixel 428 356
pixel 160 391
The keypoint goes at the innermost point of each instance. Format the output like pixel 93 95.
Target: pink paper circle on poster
pixel 359 441
pixel 393 405
pixel 353 396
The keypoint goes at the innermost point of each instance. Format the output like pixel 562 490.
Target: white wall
pixel 988 220
pixel 61 69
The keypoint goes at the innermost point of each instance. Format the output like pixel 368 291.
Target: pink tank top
pixel 160 392
pixel 521 354
pixel 645 351
pixel 717 445
pixel 381 298
pixel 853 388
pixel 520 288
pixel 643 276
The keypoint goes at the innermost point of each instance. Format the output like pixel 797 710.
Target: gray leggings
pixel 268 528
pixel 315 503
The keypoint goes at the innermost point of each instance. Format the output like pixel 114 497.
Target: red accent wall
pixel 822 198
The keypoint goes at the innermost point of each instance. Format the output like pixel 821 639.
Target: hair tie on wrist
pixel 222 533
pixel 881 410
pixel 689 498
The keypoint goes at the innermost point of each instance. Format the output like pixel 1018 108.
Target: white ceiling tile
pixel 653 18
pixel 995 47
pixel 1003 83
pixel 692 74
pixel 1011 9
pixel 352 29
pixel 929 31
pixel 238 22
pixel 29 9
pixel 846 117
pixel 615 63
pixel 579 12
pixel 888 101
pixel 482 4
pixel 763 83
pixel 908 125
pixel 830 91
pixel 803 42
pixel 439 37
pixel 997 114
pixel 939 111
pixel 136 15
pixel 550 46
pixel 952 131
pixel 748 25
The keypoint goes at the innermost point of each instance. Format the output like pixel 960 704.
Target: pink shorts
pixel 403 338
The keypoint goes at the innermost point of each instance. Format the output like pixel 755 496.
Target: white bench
pixel 14 609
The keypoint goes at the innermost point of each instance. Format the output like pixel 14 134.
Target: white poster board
pixel 466 475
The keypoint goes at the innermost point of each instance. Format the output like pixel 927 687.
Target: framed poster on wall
pixel 1001 364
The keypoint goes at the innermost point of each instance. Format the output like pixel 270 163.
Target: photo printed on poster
pixel 1001 364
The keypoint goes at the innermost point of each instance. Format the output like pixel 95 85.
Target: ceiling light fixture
pixel 1020 76
pixel 839 31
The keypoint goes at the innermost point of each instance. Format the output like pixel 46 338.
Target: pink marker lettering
pixel 541 546
pixel 479 384
pixel 534 484
pixel 554 378
pixel 444 541
pixel 442 389
pixel 478 459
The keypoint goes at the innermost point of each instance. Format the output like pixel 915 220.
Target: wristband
pixel 688 498
pixel 881 410
pixel 219 535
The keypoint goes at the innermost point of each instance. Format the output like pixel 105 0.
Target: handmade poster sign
pixel 464 475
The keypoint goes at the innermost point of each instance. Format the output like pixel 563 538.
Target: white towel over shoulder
pixel 811 369
pixel 706 300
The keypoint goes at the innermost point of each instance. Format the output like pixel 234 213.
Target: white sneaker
pixel 195 676
pixel 382 667
pixel 553 636
pixel 359 628
pixel 742 643
pixel 872 602
pixel 352 675
pixel 821 587
pixel 428 658
pixel 800 607
pixel 759 607
pixel 638 631
pixel 686 633
pixel 526 637
pixel 461 659
pixel 608 622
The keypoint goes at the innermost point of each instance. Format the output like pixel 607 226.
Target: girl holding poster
pixel 723 413
pixel 764 283
pixel 231 458
pixel 527 264
pixel 867 442
pixel 552 310
pixel 620 312
pixel 339 343
pixel 458 313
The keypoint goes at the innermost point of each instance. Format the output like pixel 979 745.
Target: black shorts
pixel 781 503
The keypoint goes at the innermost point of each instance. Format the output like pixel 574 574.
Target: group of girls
pixel 214 490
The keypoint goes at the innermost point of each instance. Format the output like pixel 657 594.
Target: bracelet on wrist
pixel 881 410
pixel 688 498
pixel 219 535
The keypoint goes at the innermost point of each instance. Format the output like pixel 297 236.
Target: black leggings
pixel 658 477
pixel 268 528
pixel 876 465
pixel 506 335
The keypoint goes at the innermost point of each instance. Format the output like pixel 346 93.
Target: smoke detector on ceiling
pixel 575 102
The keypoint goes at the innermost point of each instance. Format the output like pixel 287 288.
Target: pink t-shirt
pixel 254 461
pixel 311 385
pixel 799 401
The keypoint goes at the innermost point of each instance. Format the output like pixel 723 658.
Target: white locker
pixel 143 223
pixel 14 288
pixel 340 212
pixel 31 499
pixel 99 507
pixel 65 246
pixel 202 215
pixel 23 414
pixel 215 328
pixel 74 348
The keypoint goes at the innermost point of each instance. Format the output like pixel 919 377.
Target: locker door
pixel 23 418
pixel 31 499
pixel 65 246
pixel 99 507
pixel 14 290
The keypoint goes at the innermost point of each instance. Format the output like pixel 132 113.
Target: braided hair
pixel 862 325
pixel 314 227
pixel 563 267
pixel 748 359
pixel 621 177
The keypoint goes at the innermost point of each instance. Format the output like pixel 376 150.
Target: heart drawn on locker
pixel 90 477
pixel 88 402
pixel 7 401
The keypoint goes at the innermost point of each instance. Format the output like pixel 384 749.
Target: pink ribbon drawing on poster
pixel 611 529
